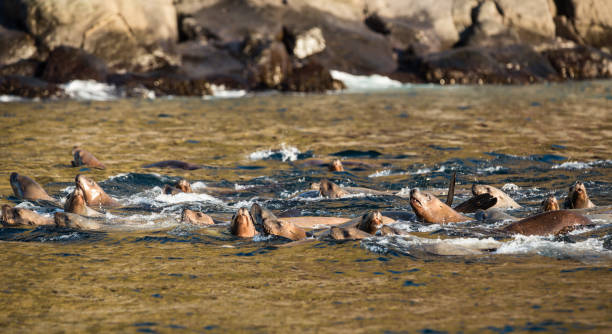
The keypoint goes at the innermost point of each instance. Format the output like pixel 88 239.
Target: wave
pixel 285 153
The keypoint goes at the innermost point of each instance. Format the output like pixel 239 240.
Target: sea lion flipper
pixel 451 190
pixel 480 202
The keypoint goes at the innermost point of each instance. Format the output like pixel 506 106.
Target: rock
pixel 462 12
pixel 308 43
pixel 532 20
pixel 580 63
pixel 15 45
pixel 489 28
pixel 271 66
pixel 377 24
pixel 66 63
pixel 162 82
pixel 132 35
pixel 311 77
pixel 477 65
pixel 190 30
pixel 24 68
pixel 215 64
pixel 29 87
pixel 592 19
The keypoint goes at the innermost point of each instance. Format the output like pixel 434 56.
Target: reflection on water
pixel 146 272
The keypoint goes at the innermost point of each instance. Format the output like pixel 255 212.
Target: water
pixel 145 272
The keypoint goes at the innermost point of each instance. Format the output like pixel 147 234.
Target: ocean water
pixel 145 271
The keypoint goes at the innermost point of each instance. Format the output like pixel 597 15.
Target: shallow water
pixel 145 272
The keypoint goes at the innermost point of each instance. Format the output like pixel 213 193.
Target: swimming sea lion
pixel 493 215
pixel 82 157
pixel 330 190
pixel 75 221
pixel 75 203
pixel 577 197
pixel 173 164
pixel 503 200
pixel 551 222
pixel 196 218
pixel 549 204
pixel 347 233
pixel 431 210
pixel 336 166
pixel 268 223
pixel 20 216
pixel 26 188
pixel 181 186
pixel 242 224
pixel 94 195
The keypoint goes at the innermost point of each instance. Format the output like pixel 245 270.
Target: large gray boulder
pixel 133 35
pixel 593 21
pixel 15 45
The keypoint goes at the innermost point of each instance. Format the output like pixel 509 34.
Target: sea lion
pixel 173 164
pixel 577 197
pixel 94 195
pixel 493 215
pixel 347 233
pixel 330 190
pixel 551 222
pixel 431 210
pixel 26 188
pixel 549 204
pixel 82 157
pixel 242 224
pixel 336 166
pixel 503 200
pixel 75 203
pixel 20 216
pixel 268 223
pixel 196 218
pixel 371 222
pixel 181 186
pixel 75 221
pixel 478 202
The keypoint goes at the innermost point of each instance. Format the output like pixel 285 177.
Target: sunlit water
pixel 147 272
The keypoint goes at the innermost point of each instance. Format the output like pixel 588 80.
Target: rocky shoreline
pixel 182 47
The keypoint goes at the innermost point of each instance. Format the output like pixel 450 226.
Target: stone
pixel 127 35
pixel 15 45
pixel 66 63
pixel 29 87
pixel 592 19
pixel 24 68
pixel 580 63
pixel 308 43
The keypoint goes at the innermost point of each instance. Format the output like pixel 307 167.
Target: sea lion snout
pixel 336 166
pixel 549 204
pixel 242 224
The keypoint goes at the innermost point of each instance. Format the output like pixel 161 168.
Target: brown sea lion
pixel 82 157
pixel 94 195
pixel 431 210
pixel 26 188
pixel 336 166
pixel 268 223
pixel 371 222
pixel 551 222
pixel 330 190
pixel 577 197
pixel 242 224
pixel 503 200
pixel 347 233
pixel 75 221
pixel 549 204
pixel 75 203
pixel 173 164
pixel 196 218
pixel 181 186
pixel 20 216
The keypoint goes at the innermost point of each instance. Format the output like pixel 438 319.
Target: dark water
pixel 146 272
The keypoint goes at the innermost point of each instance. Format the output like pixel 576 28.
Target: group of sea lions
pixel 88 198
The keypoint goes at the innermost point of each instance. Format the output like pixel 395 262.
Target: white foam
pixel 362 82
pixel 156 198
pixel 90 90
pixel 546 246
pixel 288 153
pixel 221 92
pixel 572 165
pixel 510 187
pixel 11 98
pixel 491 169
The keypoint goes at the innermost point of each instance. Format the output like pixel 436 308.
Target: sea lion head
pixel 184 186
pixel 8 215
pixel 75 203
pixel 76 155
pixel 578 196
pixel 196 218
pixel 330 189
pixel 16 185
pixel 426 206
pixel 549 204
pixel 336 166
pixel 242 224
pixel 479 189
pixel 371 222
pixel 91 190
